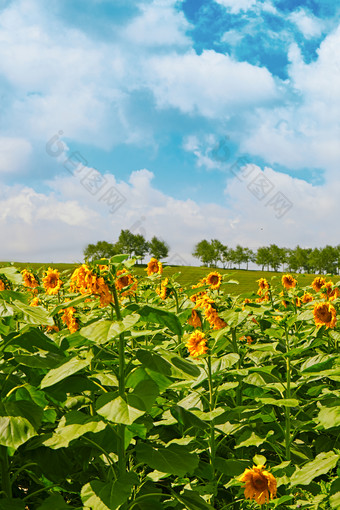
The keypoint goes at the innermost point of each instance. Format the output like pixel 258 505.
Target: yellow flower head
pixel 164 291
pixel 329 292
pixel 52 282
pixel 197 344
pixel 194 320
pixel 318 283
pixel 324 315
pixel 307 297
pixel 125 279
pixel 69 319
pixel 263 284
pixel 29 279
pixel 154 267
pixel 260 485
pixel 34 302
pixel 288 281
pixel 214 280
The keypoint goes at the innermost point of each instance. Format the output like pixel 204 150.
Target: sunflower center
pixel 260 483
pixel 325 315
pixel 53 281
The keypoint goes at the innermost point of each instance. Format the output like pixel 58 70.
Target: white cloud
pixel 235 6
pixel 232 37
pixel 210 84
pixel 14 155
pixel 308 24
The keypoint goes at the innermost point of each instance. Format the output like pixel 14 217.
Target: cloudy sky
pixel 183 119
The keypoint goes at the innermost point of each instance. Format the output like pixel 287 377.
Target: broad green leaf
pixel 32 339
pixel 117 410
pixel 145 394
pixel 185 366
pixel 98 495
pixel 174 459
pixel 19 422
pixel 6 310
pixel 34 314
pixel 55 502
pixel 47 361
pixel 322 463
pixel 250 438
pixel 73 425
pixel 162 317
pixel 316 363
pixel 187 419
pixel 231 467
pixel 334 501
pixel 103 331
pixel 13 275
pixel 154 362
pixel 12 504
pixel 192 500
pixel 286 402
pixel 69 367
pixel 329 417
pixel 72 302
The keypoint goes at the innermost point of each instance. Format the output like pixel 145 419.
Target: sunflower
pixel 29 279
pixel 69 319
pixel 329 292
pixel 247 339
pixel 214 280
pixel 164 291
pixel 288 281
pixel 318 283
pixel 34 302
pixel 263 284
pixel 2 285
pixel 52 282
pixel 307 297
pixel 154 267
pixel 324 315
pixel 194 320
pixel 125 279
pixel 197 344
pixel 259 484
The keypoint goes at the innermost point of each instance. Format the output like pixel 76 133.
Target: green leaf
pixel 316 363
pixel 117 410
pixel 103 331
pixel 32 339
pixel 249 438
pixel 231 467
pixel 45 362
pixel 329 417
pixel 159 316
pixel 146 393
pixel 286 402
pixel 188 419
pixel 18 422
pixel 174 459
pixel 192 500
pixel 334 501
pixel 154 362
pixel 322 463
pixel 12 274
pixel 55 502
pixel 98 495
pixel 68 367
pixel 12 504
pixel 73 425
pixel 185 366
pixel 72 302
pixel 33 314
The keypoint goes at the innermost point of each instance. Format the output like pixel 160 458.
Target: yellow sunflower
pixel 214 280
pixel 318 283
pixel 197 344
pixel 194 320
pixel 324 315
pixel 154 267
pixel 288 281
pixel 52 282
pixel 307 297
pixel 260 485
pixel 125 279
pixel 263 284
pixel 163 292
pixel 34 302
pixel 29 279
pixel 69 319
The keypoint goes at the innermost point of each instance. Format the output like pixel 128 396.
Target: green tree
pixel 102 249
pixel 158 248
pixel 218 249
pixel 140 246
pixel 205 252
pixel 126 242
pixel 263 257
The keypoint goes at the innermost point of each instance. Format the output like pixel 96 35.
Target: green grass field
pixel 189 275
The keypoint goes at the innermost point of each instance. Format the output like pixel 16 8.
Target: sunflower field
pixel 128 392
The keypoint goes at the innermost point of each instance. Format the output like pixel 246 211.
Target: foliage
pixel 118 414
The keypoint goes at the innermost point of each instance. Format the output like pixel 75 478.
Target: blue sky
pixel 183 119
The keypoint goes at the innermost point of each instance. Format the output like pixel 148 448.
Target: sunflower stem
pixel 238 365
pixel 121 386
pixel 288 395
pixel 212 445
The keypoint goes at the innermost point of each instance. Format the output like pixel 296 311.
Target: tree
pixel 140 246
pixel 248 256
pixel 158 248
pixel 102 249
pixel 205 252
pixel 218 250
pixel 276 256
pixel 125 243
pixel 263 257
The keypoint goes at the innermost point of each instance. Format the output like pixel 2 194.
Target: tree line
pixel 129 243
pixel 308 260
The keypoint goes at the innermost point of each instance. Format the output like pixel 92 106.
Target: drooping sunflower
pixel 194 320
pixel 307 297
pixel 263 284
pixel 154 267
pixel 318 283
pixel 260 485
pixel 329 292
pixel 324 315
pixel 214 280
pixel 125 279
pixel 164 291
pixel 69 319
pixel 52 282
pixel 197 344
pixel 288 281
pixel 29 279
